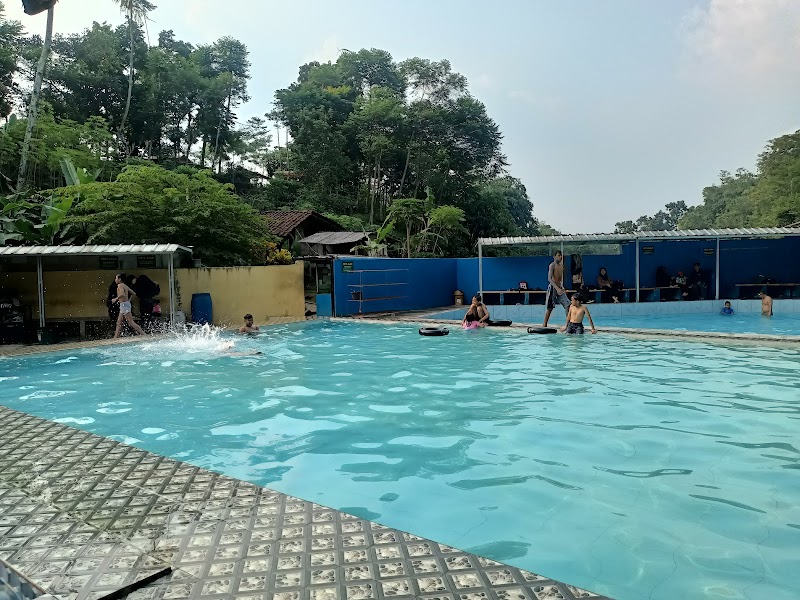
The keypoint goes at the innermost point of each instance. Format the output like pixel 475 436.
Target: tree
pixel 376 119
pixel 33 109
pixel 501 207
pixel 136 14
pixel 230 61
pixel 10 39
pixel 409 213
pixel 257 143
pixel 663 220
pixel 723 203
pixel 148 204
pixel 776 195
pixel 85 144
pixel 36 220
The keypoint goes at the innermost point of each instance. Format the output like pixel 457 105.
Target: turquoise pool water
pixel 737 323
pixel 741 322
pixel 635 468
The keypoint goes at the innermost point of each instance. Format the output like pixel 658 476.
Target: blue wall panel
pixel 501 274
pixel 676 256
pixel 744 261
pixel 408 284
pixel 429 283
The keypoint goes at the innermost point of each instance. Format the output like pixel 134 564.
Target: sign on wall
pixel 648 249
pixel 347 266
pixel 109 263
pixel 708 251
pixel 146 262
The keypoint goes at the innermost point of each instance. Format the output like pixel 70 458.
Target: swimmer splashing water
pixel 228 347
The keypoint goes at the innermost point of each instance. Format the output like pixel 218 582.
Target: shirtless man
pixel 556 294
pixel 575 316
pixel 248 326
pixel 483 312
pixel 124 294
pixel 766 304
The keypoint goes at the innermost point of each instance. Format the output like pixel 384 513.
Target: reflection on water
pixel 636 468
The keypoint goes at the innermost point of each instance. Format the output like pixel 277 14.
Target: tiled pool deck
pixel 82 516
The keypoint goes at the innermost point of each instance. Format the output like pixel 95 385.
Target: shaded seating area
pixel 58 290
pixel 655 266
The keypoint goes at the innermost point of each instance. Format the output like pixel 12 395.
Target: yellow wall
pixel 264 292
pixel 275 291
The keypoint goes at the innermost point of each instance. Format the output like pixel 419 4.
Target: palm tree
pixel 136 13
pixel 33 109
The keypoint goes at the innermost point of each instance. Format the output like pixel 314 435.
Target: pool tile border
pixel 426 318
pixel 82 515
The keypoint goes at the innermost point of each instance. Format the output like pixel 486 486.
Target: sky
pixel 609 109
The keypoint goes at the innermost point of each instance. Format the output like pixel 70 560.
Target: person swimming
pixel 727 309
pixel 228 347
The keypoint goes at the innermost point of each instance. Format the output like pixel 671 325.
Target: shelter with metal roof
pixel 715 235
pixel 292 225
pixel 327 243
pixel 167 253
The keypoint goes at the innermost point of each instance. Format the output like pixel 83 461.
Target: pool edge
pixel 69 503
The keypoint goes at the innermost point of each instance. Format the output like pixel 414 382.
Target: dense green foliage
pixel 358 134
pixel 149 204
pixel 401 150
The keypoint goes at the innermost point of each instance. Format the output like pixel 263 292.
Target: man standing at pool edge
pixel 555 288
pixel 124 294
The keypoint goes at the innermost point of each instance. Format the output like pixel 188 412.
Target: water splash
pixel 193 343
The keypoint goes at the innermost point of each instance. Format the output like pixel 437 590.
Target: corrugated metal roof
pixel 681 234
pixel 111 249
pixel 333 238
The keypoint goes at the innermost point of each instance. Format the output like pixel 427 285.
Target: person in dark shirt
pixel 698 283
pixel 727 309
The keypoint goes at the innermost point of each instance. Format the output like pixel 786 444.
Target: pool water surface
pixel 635 468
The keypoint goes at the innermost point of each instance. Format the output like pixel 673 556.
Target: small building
pixel 294 225
pixel 333 243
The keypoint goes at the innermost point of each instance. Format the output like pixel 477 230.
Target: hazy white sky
pixel 609 108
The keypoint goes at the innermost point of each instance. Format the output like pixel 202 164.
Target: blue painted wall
pixel 506 273
pixel 743 261
pixel 676 256
pixel 413 284
pixel 430 283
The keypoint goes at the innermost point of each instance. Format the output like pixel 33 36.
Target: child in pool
pixel 575 316
pixel 727 310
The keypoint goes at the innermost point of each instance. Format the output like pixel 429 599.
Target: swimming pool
pixel 635 468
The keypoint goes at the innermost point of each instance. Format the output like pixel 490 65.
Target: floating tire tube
pixel 542 330
pixel 499 323
pixel 434 331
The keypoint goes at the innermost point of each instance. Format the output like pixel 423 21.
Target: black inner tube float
pixel 434 331
pixel 542 330
pixel 491 323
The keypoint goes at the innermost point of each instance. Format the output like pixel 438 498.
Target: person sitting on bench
pixel 609 289
pixel 698 283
